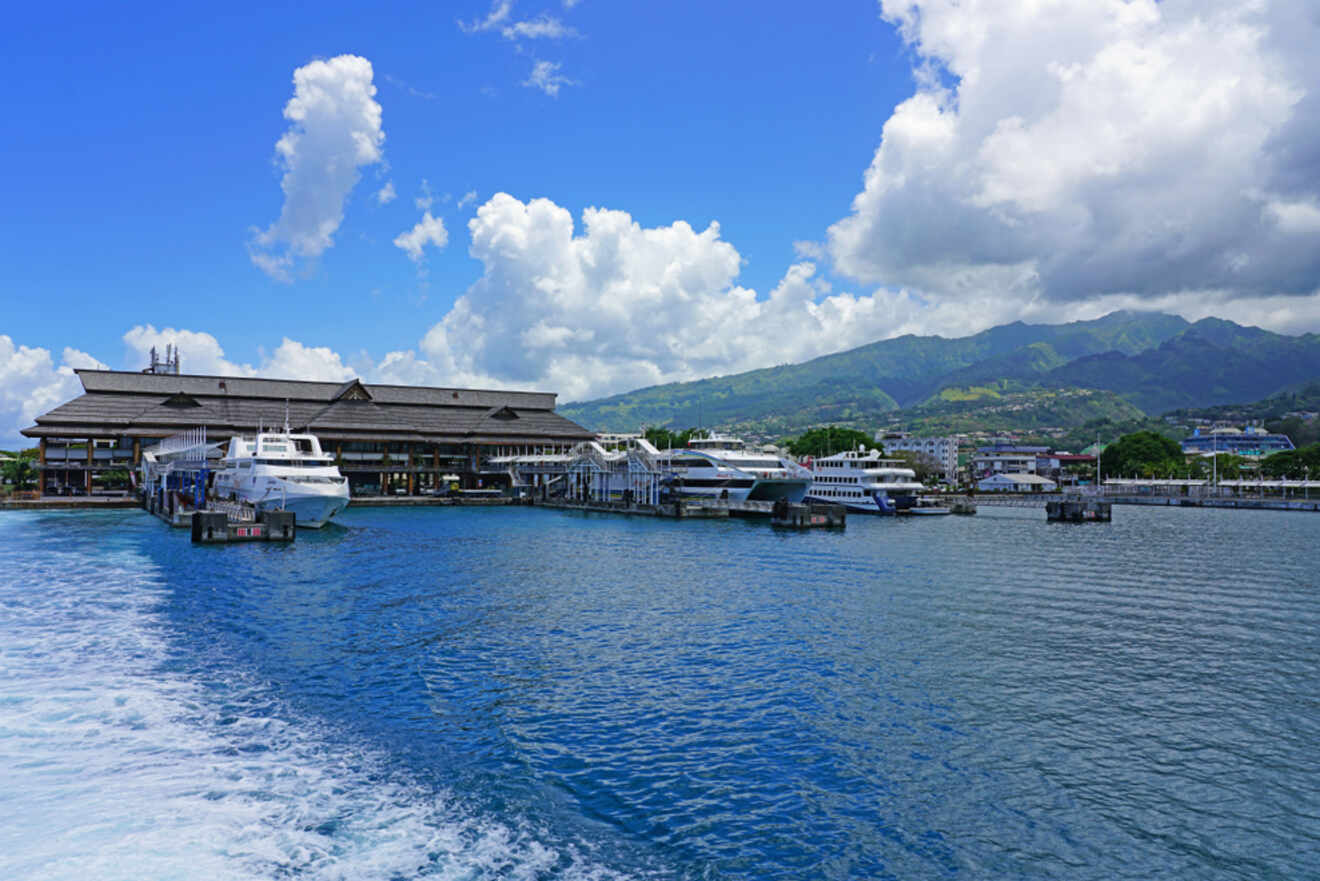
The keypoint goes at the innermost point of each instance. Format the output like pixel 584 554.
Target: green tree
pixel 926 472
pixel 1296 463
pixel 664 439
pixel 1143 452
pixel 20 472
pixel 829 440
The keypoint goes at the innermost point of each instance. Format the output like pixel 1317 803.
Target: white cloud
pixel 1070 151
pixel 620 306
pixel 335 130
pixel 500 11
pixel 500 17
pixel 201 353
pixel 386 194
pixel 31 384
pixel 542 27
pixel 426 199
pixel 545 76
pixel 1302 216
pixel 293 360
pixel 428 231
pixel 468 198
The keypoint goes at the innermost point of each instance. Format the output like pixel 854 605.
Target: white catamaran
pixel 276 470
pixel 723 467
pixel 862 481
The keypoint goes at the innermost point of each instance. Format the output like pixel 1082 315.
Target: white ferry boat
pixel 722 467
pixel 862 481
pixel 276 470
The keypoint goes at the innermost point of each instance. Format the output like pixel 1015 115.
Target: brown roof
pixel 155 405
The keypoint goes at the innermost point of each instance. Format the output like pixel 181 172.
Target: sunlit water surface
pixel 521 693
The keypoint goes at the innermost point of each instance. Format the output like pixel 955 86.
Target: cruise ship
pixel 275 470
pixel 723 467
pixel 862 481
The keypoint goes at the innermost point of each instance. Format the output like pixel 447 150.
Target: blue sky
pixel 145 148
pixel 590 196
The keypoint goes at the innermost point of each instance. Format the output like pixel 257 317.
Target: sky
pixel 587 197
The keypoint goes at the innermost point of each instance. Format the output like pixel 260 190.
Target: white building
pixel 1016 483
pixel 941 451
pixel 984 464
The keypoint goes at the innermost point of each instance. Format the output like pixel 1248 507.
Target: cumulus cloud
pixel 1068 151
pixel 618 306
pixel 31 383
pixel 386 194
pixel 428 231
pixel 201 353
pixel 335 130
pixel 545 76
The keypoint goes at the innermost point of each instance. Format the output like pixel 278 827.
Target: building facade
pixel 942 452
pixel 386 439
pixel 1251 441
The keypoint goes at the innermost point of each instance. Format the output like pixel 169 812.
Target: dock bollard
pixel 210 526
pixel 280 525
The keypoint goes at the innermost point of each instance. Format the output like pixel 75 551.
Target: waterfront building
pixel 1006 459
pixel 1016 483
pixel 393 439
pixel 942 452
pixel 1251 441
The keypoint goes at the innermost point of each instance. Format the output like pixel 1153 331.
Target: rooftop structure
pixel 386 438
pixel 1251 441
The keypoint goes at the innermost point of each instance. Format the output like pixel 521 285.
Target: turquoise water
pixel 523 693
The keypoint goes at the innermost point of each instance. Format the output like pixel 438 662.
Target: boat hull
pixel 311 511
pixel 774 489
pixel 876 503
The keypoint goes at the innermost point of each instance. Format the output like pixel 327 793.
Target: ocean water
pixel 526 694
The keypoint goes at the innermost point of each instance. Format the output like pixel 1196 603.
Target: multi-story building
pixel 941 452
pixel 1008 459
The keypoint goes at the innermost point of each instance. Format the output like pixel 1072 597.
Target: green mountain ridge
pixel 1118 367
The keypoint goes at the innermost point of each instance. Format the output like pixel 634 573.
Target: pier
pixel 798 516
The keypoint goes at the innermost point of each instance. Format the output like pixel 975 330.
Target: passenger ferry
pixel 862 481
pixel 723 467
pixel 277 470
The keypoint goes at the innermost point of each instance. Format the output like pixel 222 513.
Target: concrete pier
pixel 1078 511
pixel 216 527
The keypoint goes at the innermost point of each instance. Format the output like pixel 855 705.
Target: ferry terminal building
pixel 386 439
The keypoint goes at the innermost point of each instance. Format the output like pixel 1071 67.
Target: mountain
pixel 1013 377
pixel 1211 362
pixel 860 385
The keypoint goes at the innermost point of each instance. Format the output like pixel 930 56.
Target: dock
pixel 217 527
pixel 798 516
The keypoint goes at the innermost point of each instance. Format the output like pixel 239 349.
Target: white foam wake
pixel 111 769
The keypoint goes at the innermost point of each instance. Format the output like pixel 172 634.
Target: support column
pixel 137 451
pixel 41 467
pixel 91 459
